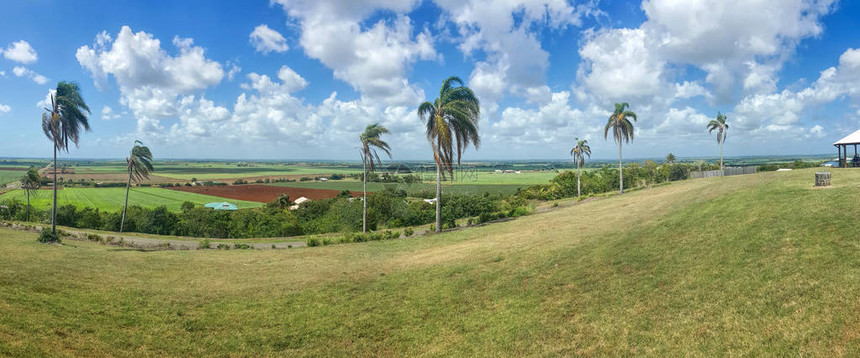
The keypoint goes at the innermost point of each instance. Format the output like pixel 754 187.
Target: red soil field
pixel 261 193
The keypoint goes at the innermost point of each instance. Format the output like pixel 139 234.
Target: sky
pixel 300 79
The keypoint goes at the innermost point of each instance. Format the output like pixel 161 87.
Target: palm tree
pixel 139 164
pixel 62 124
pixel 31 182
pixel 670 158
pixel 722 127
pixel 370 142
pixel 622 130
pixel 579 152
pixel 452 124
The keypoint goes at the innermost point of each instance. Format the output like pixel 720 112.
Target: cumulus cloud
pixel 21 71
pixel 108 113
pixel 20 51
pixel 150 80
pixel 508 33
pixel 4 108
pixel 266 40
pixel 373 60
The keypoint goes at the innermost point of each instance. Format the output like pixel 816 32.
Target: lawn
pixel 743 266
pixel 111 199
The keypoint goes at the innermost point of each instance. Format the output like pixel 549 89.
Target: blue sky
pixel 299 79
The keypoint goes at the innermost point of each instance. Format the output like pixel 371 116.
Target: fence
pixel 725 172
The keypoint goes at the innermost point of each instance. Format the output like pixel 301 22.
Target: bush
pixel 312 242
pixel 408 232
pixel 239 246
pixel 94 237
pixel 204 244
pixel 49 237
pixel 223 247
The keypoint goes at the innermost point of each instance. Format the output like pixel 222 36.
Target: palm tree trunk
pixel 364 199
pixel 620 169
pixel 439 196
pixel 125 206
pixel 28 205
pixel 721 156
pixel 578 175
pixel 54 208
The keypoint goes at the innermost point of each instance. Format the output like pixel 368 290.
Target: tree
pixel 451 125
pixel 622 131
pixel 670 158
pixel 31 182
pixel 139 165
pixel 721 127
pixel 370 142
pixel 62 124
pixel 579 152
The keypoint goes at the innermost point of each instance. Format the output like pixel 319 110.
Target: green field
pixel 756 265
pixel 111 199
pixel 8 176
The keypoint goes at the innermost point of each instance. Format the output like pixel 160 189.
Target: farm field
pixel 8 175
pixel 415 189
pixel 746 265
pixel 260 193
pixel 111 199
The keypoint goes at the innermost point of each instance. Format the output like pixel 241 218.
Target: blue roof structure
pixel 222 206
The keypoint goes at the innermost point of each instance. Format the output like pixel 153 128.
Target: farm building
pixel 298 202
pixel 842 145
pixel 222 206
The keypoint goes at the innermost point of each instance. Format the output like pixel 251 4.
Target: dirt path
pixel 162 244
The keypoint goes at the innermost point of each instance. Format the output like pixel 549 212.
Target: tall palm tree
pixel 62 124
pixel 139 165
pixel 670 158
pixel 722 127
pixel 579 152
pixel 370 142
pixel 31 182
pixel 622 131
pixel 452 124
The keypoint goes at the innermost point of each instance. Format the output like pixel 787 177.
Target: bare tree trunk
pixel 364 199
pixel 620 169
pixel 28 204
pixel 54 209
pixel 439 196
pixel 125 207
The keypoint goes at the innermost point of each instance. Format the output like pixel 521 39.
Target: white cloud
pixel 292 81
pixel 46 102
pixel 266 40
pixel 108 113
pixel 514 61
pixel 374 60
pixel 20 51
pixel 619 64
pixel 21 71
pixel 4 108
pixel 150 80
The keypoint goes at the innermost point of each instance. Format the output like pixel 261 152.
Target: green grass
pixel 111 199
pixel 743 266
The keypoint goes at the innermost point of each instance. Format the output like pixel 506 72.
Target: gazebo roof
pixel 853 138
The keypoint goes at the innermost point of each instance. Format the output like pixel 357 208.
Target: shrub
pixel 313 242
pixel 204 244
pixel 49 237
pixel 240 246
pixel 223 247
pixel 408 231
pixel 94 237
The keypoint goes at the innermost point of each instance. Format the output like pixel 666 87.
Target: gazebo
pixel 841 145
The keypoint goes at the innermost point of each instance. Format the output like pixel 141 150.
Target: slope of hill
pixel 749 265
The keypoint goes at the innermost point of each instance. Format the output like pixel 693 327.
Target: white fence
pixel 725 172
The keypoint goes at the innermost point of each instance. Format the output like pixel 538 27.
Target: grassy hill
pixel 112 199
pixel 748 265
